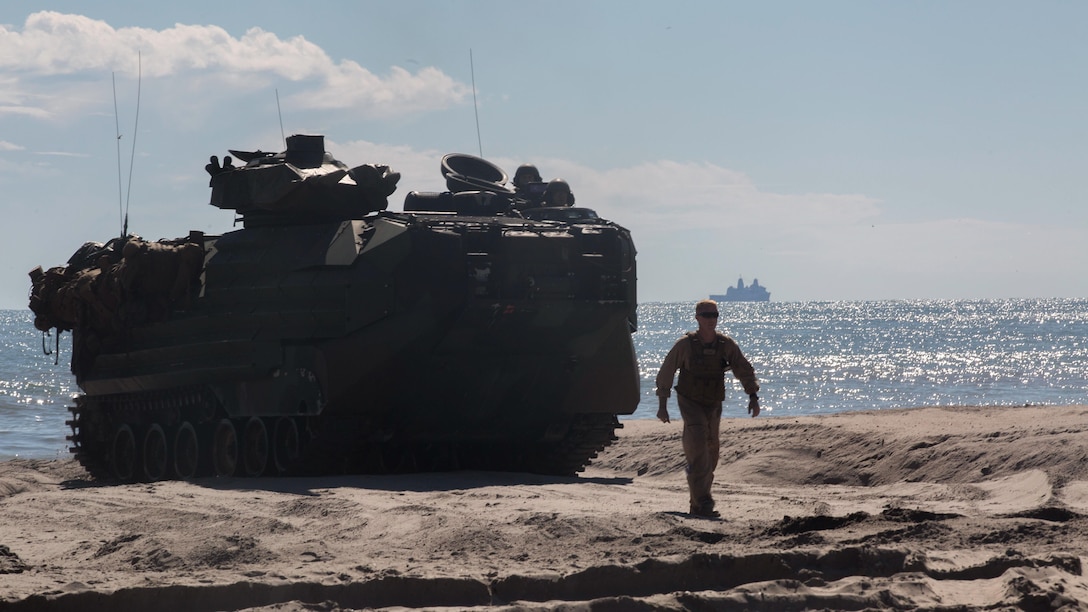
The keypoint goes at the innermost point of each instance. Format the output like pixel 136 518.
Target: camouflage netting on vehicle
pixel 104 288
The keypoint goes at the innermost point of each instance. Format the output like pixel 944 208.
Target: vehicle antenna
pixel 475 107
pixel 135 131
pixel 117 124
pixel 280 113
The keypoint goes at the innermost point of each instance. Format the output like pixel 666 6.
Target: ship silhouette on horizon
pixel 752 293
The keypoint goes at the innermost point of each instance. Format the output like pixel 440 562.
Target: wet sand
pixel 932 508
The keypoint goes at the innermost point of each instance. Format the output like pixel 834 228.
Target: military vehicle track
pixel 166 436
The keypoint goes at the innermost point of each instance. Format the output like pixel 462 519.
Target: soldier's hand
pixel 753 406
pixel 663 414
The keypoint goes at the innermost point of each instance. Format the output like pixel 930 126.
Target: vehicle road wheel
pixel 186 451
pixel 255 447
pixel 155 454
pixel 224 449
pixel 285 447
pixel 123 453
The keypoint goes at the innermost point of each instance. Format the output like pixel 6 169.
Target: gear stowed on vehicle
pixel 329 335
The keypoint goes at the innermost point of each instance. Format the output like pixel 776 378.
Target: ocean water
pixel 810 357
pixel 34 392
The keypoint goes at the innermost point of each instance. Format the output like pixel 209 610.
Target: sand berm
pixel 940 508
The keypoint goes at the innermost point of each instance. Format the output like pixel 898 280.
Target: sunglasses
pixel 708 315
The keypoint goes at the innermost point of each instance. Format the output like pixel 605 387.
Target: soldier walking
pixel 703 357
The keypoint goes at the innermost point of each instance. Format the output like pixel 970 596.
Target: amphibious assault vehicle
pixel 474 330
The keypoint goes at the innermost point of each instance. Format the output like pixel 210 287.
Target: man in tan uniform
pixel 703 357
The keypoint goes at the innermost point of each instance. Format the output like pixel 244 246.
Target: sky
pixel 833 150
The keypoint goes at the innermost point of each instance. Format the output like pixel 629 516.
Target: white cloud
pixel 9 146
pixel 29 111
pixel 54 45
pixel 61 154
pixel 703 195
pixel 349 85
pixel 951 258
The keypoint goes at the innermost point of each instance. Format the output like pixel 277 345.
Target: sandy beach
pixel 926 508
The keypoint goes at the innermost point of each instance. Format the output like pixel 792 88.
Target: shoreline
pixel 913 507
pixel 737 412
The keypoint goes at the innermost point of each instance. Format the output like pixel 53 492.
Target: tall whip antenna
pixel 280 113
pixel 135 131
pixel 475 107
pixel 117 124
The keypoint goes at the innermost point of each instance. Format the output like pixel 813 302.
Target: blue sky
pixel 833 150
